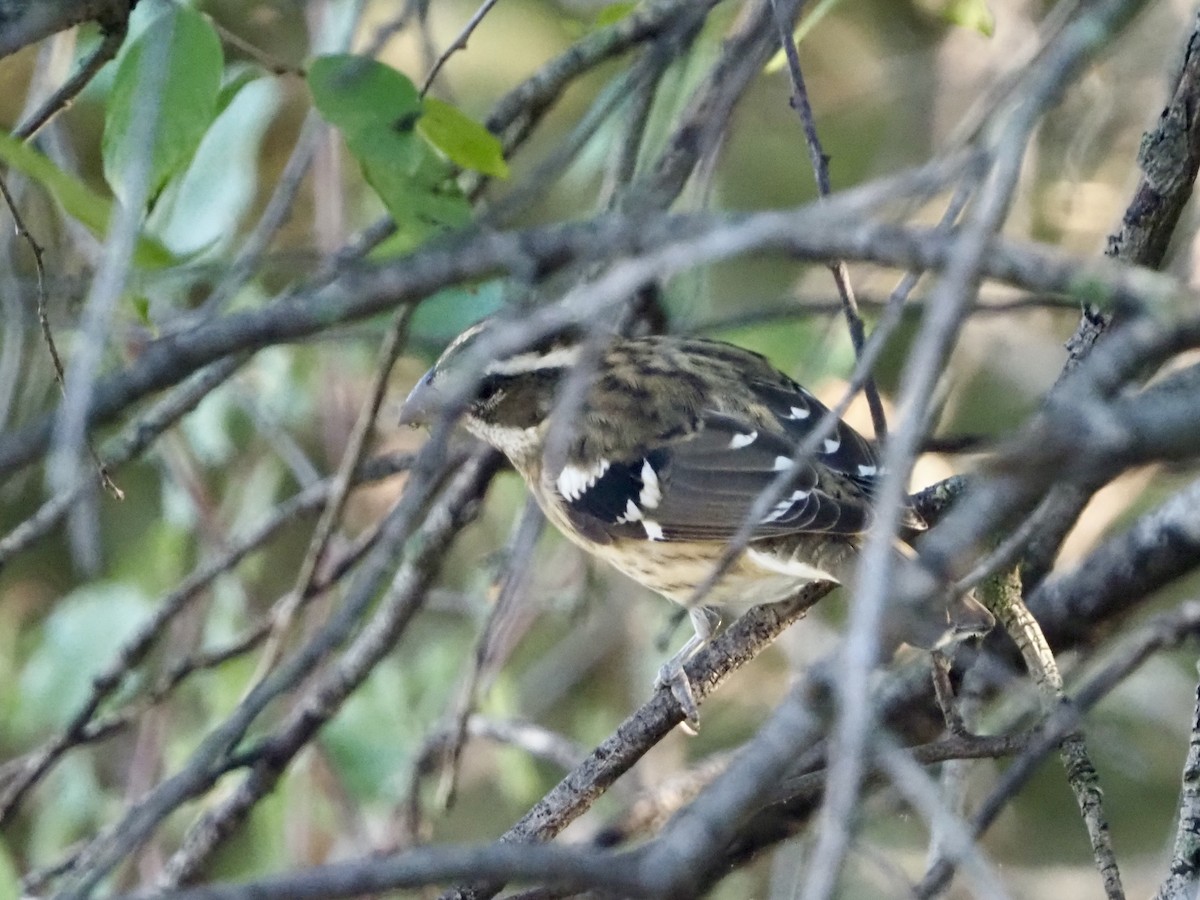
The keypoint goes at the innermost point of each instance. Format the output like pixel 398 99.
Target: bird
pixel 659 461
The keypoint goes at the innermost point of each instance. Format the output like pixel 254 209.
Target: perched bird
pixel 658 464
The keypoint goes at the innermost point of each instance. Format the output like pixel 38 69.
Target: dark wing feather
pixel 701 484
pixel 798 412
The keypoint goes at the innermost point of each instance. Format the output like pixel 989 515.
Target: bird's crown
pixel 480 371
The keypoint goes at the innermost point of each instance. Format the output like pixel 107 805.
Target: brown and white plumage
pixel 673 442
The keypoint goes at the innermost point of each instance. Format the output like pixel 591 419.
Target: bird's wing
pixel 797 412
pixel 701 482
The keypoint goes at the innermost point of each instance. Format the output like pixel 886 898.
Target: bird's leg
pixel 704 620
pixel 943 690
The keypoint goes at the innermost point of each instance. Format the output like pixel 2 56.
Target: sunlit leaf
pixel 141 309
pixel 203 208
pixel 188 83
pixel 973 14
pixel 376 108
pixel 461 138
pixel 613 13
pixel 237 76
pixel 413 183
pixel 79 201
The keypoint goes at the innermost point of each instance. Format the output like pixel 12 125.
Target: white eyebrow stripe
pixel 738 441
pixel 651 493
pixel 464 337
pixel 559 358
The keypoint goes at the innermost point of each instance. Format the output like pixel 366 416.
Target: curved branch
pixel 664 243
pixel 24 22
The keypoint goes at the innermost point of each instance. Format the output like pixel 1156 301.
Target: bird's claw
pixel 675 678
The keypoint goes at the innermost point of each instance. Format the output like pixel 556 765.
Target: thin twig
pixel 535 740
pixel 954 837
pixel 459 43
pixel 946 313
pixel 73 423
pixel 1164 632
pixel 511 586
pixel 268 759
pixel 260 56
pixel 278 208
pixel 48 334
pixel 1184 870
pixel 634 737
pixel 139 435
pixel 285 610
pixel 113 31
pixel 1003 596
pixel 955 777
pixel 83 726
pixel 820 164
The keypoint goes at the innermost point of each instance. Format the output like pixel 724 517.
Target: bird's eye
pixel 491 392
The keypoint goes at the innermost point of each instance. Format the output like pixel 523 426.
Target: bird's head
pixel 505 398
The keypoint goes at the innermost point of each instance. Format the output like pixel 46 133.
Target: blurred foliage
pixel 889 80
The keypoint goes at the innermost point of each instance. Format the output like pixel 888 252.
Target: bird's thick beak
pixel 422 403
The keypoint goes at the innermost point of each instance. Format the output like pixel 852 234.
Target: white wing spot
pixel 867 471
pixel 832 444
pixel 653 530
pixel 651 494
pixel 738 441
pixel 573 481
pixel 782 463
pixel 631 514
pixel 783 506
pixel 799 412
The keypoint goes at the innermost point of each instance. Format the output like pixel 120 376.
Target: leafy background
pixel 892 82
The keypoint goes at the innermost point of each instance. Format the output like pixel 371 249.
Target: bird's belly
pixel 675 570
pixel 765 573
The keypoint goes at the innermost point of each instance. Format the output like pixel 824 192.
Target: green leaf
pixel 412 182
pixel 613 13
pixel 141 309
pixel 237 76
pixel 188 84
pixel 461 138
pixel 973 14
pixel 354 93
pixel 79 201
pixel 9 875
pixel 376 108
pixel 202 207
pixel 50 690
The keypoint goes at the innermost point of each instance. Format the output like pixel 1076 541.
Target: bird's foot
pixel 672 676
